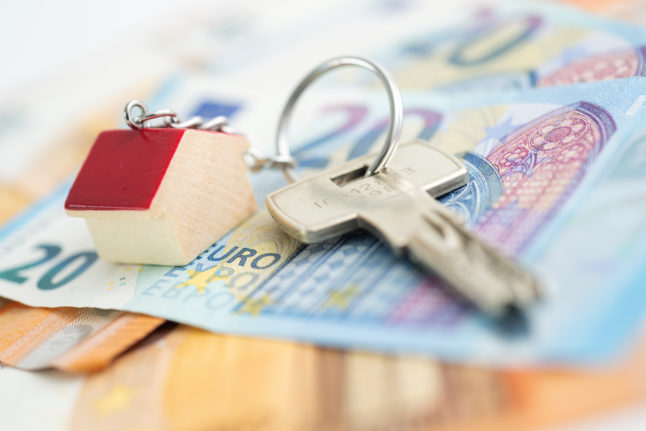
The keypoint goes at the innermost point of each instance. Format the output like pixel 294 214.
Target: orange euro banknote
pixel 71 339
pixel 189 379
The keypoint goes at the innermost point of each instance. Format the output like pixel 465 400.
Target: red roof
pixel 124 170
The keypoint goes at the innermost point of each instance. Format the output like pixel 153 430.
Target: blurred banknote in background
pixel 175 376
pixel 515 45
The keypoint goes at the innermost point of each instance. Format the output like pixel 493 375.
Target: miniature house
pixel 161 196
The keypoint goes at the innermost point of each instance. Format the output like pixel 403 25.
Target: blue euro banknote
pixel 554 181
pixel 514 45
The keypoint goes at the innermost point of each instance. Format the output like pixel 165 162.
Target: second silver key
pixel 398 204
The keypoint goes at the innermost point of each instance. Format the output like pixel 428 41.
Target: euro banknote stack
pixel 543 102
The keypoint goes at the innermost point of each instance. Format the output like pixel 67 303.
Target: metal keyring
pixel 394 100
pixel 131 119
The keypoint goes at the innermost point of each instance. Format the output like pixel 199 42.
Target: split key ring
pixel 394 100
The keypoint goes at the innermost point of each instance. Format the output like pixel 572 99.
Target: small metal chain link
pixel 168 118
pixel 163 118
pixel 257 162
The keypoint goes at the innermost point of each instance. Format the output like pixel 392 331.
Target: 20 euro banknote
pixel 532 156
pixel 512 45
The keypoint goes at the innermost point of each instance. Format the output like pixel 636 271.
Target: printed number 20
pixel 46 282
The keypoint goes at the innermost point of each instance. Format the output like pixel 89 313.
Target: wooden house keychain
pixel 165 190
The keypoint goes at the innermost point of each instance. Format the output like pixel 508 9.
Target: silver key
pixel 399 205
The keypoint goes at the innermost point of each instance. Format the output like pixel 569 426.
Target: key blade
pixel 416 225
pixel 328 204
pixel 493 282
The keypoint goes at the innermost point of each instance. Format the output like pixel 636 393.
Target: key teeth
pixel 528 289
pixel 525 288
